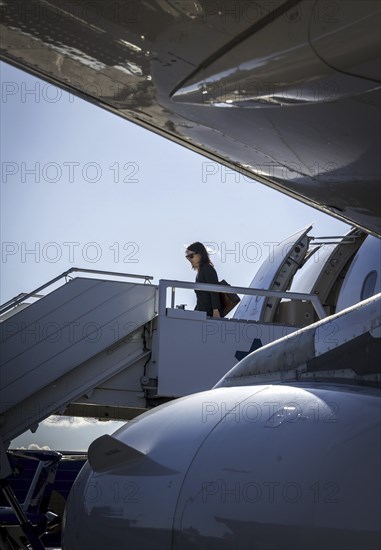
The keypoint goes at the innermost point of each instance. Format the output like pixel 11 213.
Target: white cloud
pixel 77 422
pixel 35 447
pixel 68 421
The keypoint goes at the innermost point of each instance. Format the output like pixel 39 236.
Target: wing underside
pixel 286 92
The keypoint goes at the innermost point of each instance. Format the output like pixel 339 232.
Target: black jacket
pixel 207 301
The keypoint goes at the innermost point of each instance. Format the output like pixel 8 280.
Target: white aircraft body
pixel 284 452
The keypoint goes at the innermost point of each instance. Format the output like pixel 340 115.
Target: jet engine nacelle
pixel 264 467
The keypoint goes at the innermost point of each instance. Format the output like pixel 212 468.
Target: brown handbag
pixel 228 301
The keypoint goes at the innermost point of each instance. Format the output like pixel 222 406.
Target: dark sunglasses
pixel 190 256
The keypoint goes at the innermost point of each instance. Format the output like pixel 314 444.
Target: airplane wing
pixel 286 92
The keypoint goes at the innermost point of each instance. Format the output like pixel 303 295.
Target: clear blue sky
pixel 82 187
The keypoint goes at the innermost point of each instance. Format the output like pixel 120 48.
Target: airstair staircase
pixel 73 340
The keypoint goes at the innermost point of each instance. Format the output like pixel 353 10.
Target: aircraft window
pixel 369 285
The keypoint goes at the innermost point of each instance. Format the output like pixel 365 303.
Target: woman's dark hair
pixel 199 248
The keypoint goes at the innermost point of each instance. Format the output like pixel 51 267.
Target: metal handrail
pixel 11 301
pixel 165 283
pixel 24 296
